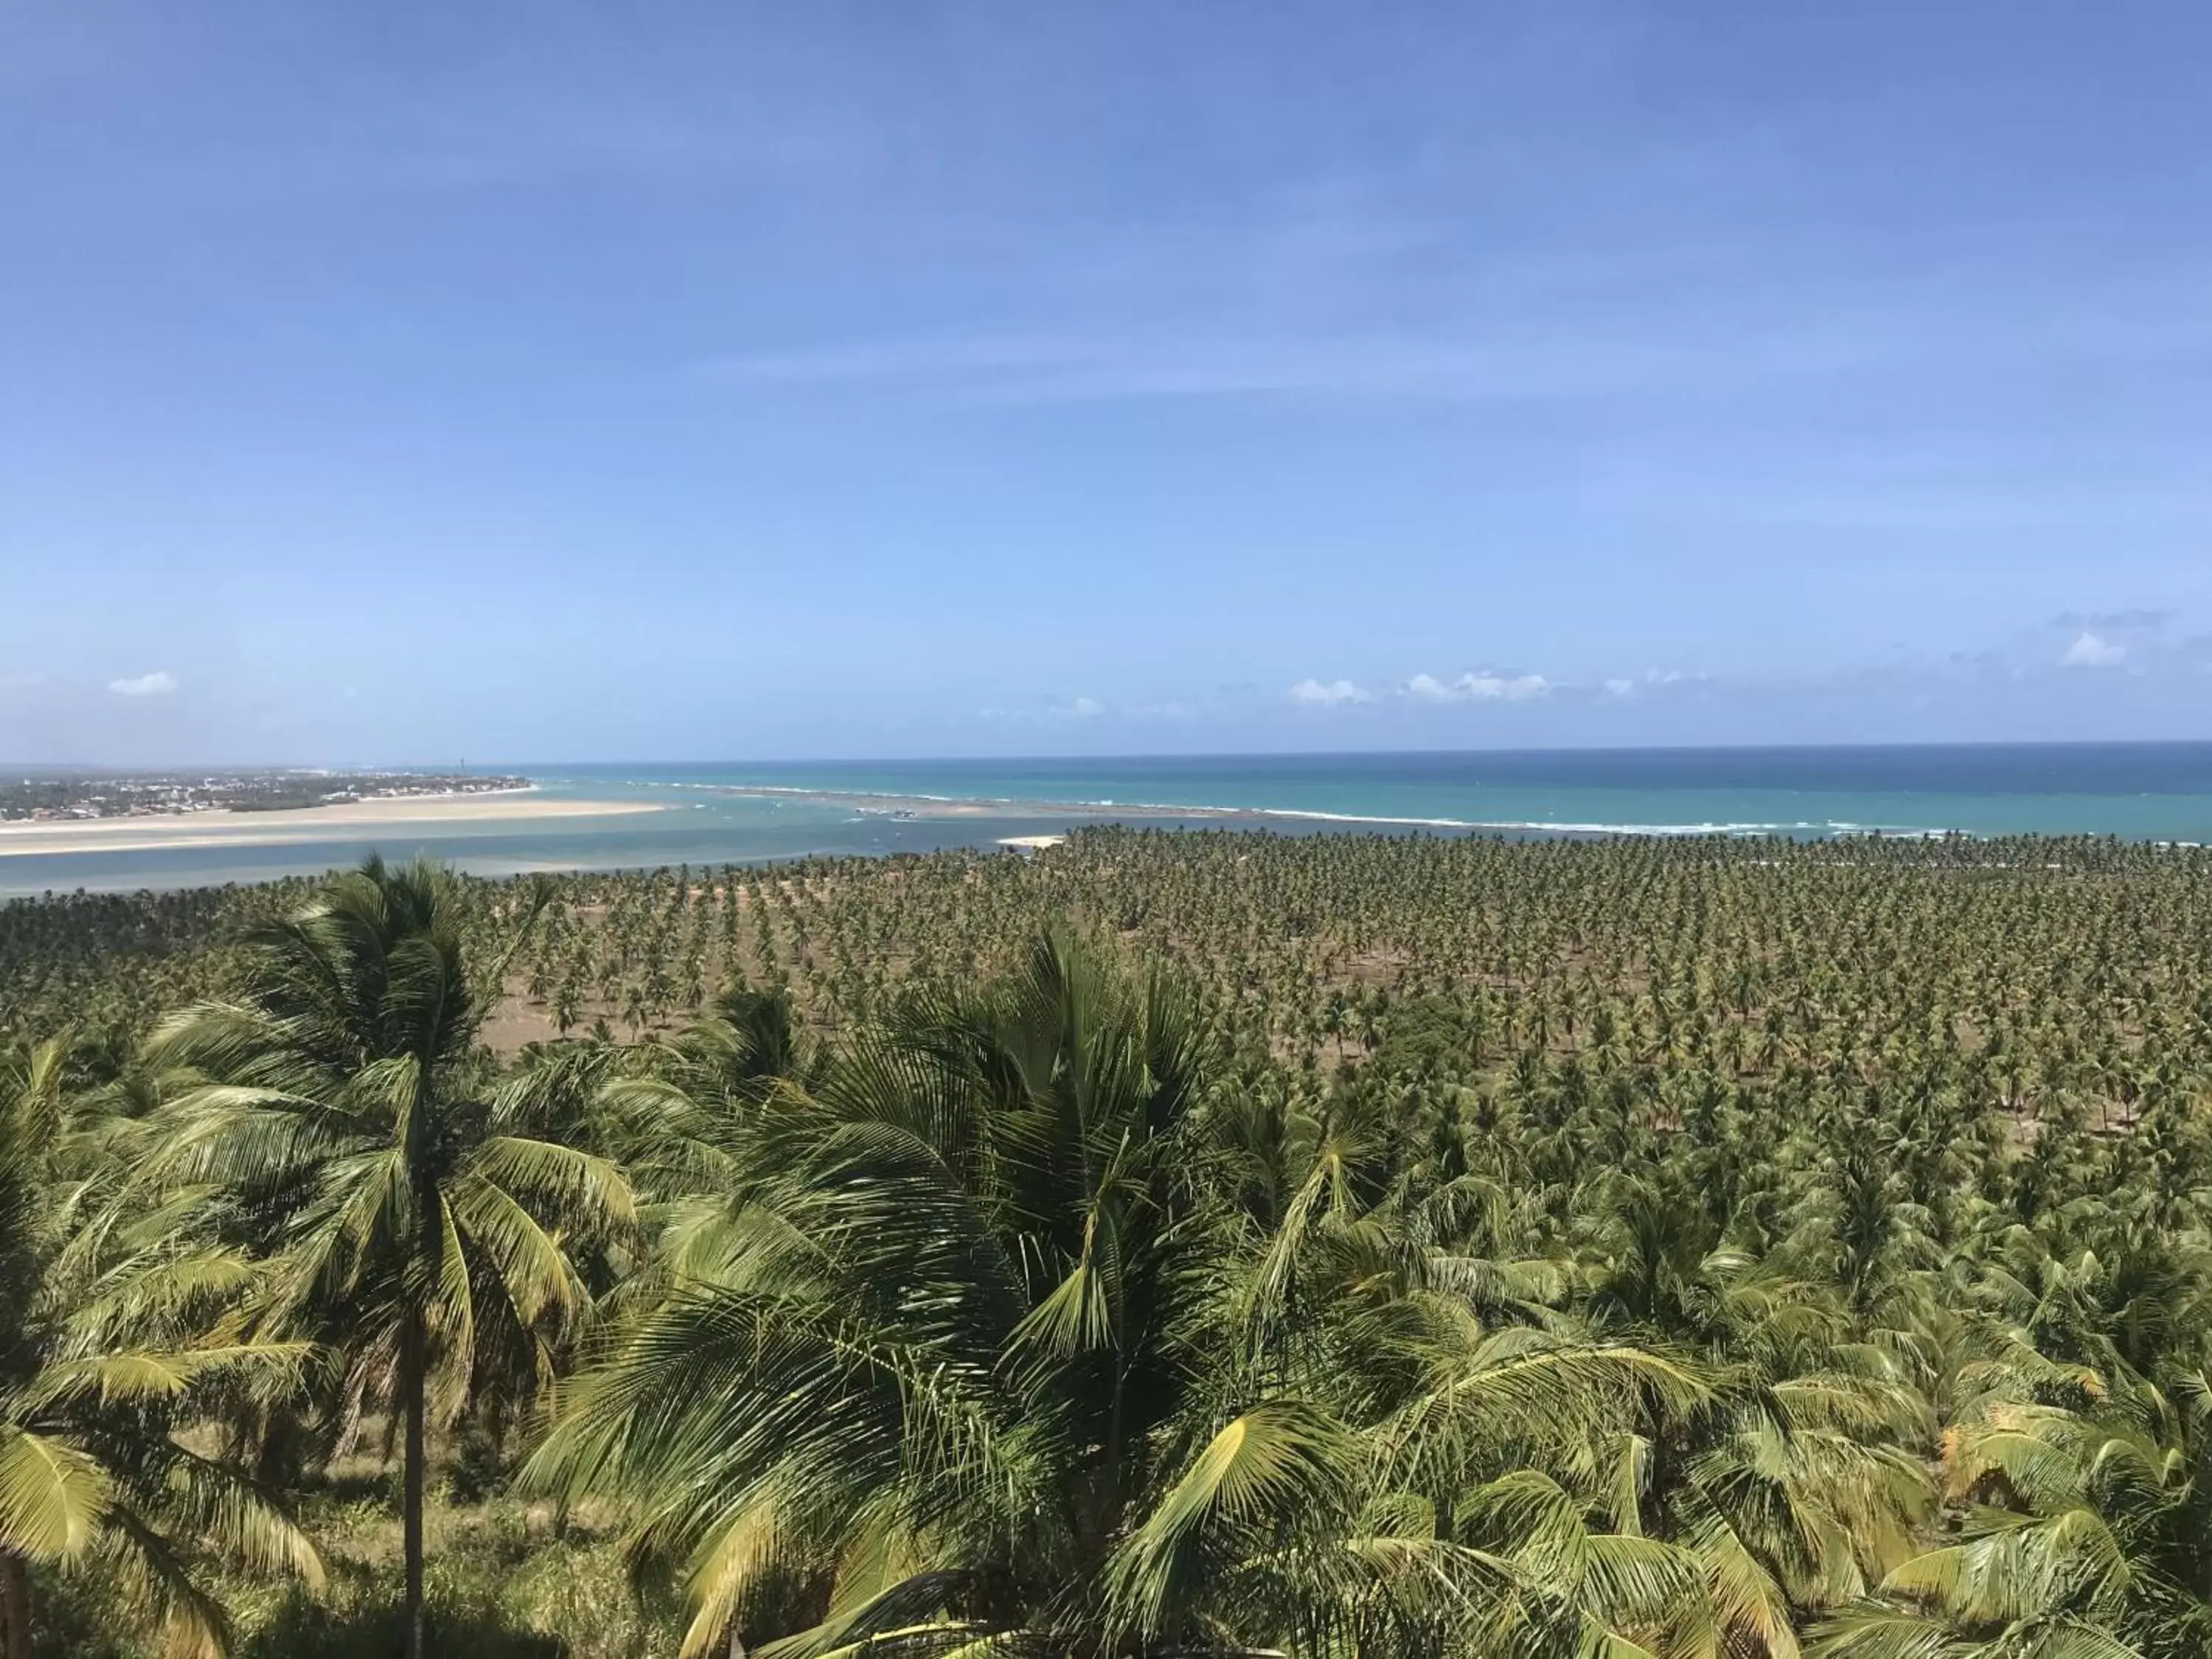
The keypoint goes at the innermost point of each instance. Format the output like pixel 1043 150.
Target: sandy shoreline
pixel 341 820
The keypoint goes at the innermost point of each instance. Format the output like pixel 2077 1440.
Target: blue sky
pixel 407 381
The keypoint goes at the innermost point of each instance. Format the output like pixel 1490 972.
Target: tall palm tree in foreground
pixel 937 1339
pixel 111 1336
pixel 975 1359
pixel 339 1126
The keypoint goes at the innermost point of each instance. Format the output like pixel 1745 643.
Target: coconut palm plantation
pixel 1158 830
pixel 1167 1244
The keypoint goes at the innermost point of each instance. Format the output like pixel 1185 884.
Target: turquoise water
pixel 2159 792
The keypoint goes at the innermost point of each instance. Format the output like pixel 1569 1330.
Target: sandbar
pixel 339 821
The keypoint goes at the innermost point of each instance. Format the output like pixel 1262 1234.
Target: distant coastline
pixel 631 815
pixel 86 795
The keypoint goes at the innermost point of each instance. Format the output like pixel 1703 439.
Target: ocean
pixel 736 813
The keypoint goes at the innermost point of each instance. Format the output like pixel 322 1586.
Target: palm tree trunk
pixel 14 1606
pixel 411 1387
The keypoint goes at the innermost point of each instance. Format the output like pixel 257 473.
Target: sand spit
pixel 340 820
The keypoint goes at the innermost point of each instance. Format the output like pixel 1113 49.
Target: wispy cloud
pixel 159 683
pixel 1109 362
pixel 1512 347
pixel 1056 708
pixel 1653 679
pixel 2116 620
pixel 1316 694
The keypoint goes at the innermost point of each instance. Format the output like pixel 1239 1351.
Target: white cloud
pixel 1624 686
pixel 1513 690
pixel 1057 709
pixel 1484 687
pixel 1316 694
pixel 2093 651
pixel 159 683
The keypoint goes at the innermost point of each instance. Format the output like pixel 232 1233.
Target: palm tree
pixel 110 1336
pixel 339 1117
pixel 950 1358
pixel 990 1191
pixel 2082 1532
pixel 984 1351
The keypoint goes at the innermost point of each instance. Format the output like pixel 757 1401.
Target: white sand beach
pixel 341 820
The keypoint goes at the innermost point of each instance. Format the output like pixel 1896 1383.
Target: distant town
pixel 79 795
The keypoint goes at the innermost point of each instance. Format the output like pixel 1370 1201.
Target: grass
pixel 505 1579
